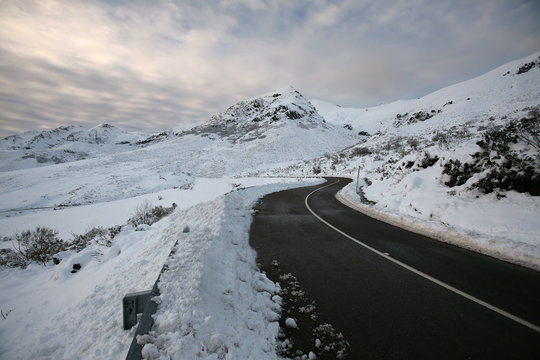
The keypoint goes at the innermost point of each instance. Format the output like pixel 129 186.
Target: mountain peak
pixel 249 119
pixel 272 107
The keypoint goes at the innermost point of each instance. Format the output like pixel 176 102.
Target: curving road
pixel 392 293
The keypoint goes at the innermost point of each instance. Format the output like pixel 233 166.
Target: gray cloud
pixel 151 65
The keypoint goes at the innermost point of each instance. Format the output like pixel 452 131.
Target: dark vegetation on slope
pixel 43 245
pixel 503 161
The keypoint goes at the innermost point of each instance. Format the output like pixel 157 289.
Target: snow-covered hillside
pixel 408 161
pixel 63 144
pixel 81 182
pixel 449 164
pixel 53 313
pixel 255 135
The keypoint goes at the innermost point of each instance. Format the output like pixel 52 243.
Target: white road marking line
pixel 418 272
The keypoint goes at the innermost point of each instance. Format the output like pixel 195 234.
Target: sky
pixel 152 65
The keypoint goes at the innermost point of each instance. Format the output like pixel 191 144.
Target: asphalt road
pixel 450 304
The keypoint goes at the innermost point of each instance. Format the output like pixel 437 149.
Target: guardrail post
pixel 134 304
pixel 144 299
pixel 146 322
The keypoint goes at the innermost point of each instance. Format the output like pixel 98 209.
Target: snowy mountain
pixel 92 199
pixel 48 139
pixel 275 122
pixel 460 164
pixel 224 146
pixel 63 144
pixel 262 116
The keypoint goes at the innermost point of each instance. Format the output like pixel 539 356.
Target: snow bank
pixel 56 314
pixel 407 145
pixel 214 300
pixel 482 225
pixel 214 303
pixel 79 219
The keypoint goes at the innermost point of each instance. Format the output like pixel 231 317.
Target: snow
pixel 212 284
pixel 53 312
pixel 291 323
pixel 222 299
pixel 506 227
pixel 63 144
pixel 78 219
pixel 214 303
pixel 482 225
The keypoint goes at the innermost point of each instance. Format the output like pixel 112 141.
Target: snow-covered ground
pixel 73 180
pixel 484 225
pixel 411 193
pixel 214 302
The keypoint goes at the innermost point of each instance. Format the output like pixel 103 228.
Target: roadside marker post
pixel 357 181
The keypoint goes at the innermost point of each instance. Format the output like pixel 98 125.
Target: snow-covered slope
pixel 213 285
pixel 253 135
pixel 411 148
pixel 63 144
pixel 73 179
pixel 278 127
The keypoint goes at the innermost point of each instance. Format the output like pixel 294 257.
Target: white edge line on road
pixel 418 272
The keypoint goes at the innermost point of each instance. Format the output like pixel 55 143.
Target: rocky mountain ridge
pixel 268 118
pixel 251 119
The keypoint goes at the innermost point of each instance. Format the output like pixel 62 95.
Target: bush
pixel 453 135
pixel 413 143
pixel 428 160
pixel 503 167
pixel 395 144
pixel 39 245
pixel 508 169
pixel 11 258
pixel 522 178
pixel 359 151
pixel 81 241
pixel 459 173
pixel 528 129
pixel 142 214
pixel 442 139
pixel 146 214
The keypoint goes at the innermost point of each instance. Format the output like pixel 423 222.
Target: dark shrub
pixel 504 167
pixel 146 214
pixel 359 151
pixel 428 160
pixel 39 245
pixel 459 173
pixel 11 258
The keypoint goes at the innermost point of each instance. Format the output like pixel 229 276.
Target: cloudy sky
pixel 159 64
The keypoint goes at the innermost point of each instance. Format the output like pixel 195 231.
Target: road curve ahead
pixel 392 293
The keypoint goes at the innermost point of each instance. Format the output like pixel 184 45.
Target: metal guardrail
pixel 145 324
pixel 135 303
